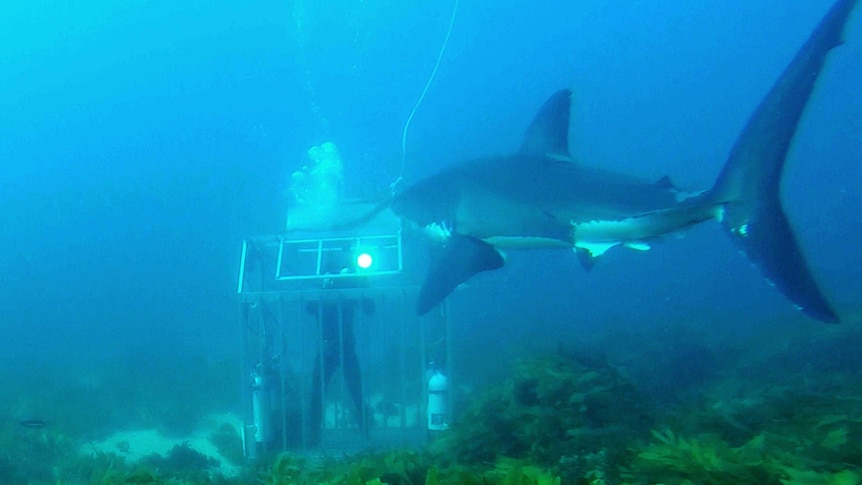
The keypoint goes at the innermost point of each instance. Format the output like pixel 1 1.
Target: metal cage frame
pixel 287 298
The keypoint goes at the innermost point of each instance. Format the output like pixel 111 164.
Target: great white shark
pixel 539 197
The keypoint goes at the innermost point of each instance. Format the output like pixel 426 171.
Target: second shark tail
pixel 748 188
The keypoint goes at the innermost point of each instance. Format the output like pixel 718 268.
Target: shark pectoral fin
pixel 638 245
pixel 462 257
pixel 595 249
pixel 586 259
pixel 589 253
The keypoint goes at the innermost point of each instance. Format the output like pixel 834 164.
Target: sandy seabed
pixel 135 444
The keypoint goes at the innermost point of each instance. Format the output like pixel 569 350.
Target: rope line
pixel 422 96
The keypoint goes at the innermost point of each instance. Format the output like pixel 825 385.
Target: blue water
pixel 139 144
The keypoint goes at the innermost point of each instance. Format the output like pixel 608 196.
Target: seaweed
pixel 553 419
pixel 519 472
pixel 394 467
pixel 400 467
pixel 286 469
pixel 704 459
pixel 799 437
pixel 556 414
pixel 228 442
pixel 34 456
pixel 185 463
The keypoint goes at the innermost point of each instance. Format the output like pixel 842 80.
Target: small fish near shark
pixel 540 198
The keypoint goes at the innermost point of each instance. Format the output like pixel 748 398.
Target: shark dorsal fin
pixel 548 133
pixel 665 183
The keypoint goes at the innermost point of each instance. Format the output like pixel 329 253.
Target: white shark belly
pixel 597 236
pixel 526 242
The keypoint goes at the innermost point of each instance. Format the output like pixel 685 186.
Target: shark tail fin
pixel 748 188
pixel 761 230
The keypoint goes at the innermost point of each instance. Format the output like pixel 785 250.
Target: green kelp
pixel 400 467
pixel 34 456
pixel 394 467
pixel 183 462
pixel 703 459
pixel 286 469
pixel 778 435
pixel 228 442
pixel 557 414
pixel 519 472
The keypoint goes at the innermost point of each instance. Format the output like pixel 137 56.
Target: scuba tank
pixel 259 430
pixel 438 406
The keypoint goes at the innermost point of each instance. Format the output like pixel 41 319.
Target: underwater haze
pixel 140 142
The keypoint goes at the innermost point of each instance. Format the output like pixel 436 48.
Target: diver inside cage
pixel 315 193
pixel 337 345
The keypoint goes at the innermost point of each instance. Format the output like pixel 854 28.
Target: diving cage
pixel 334 357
